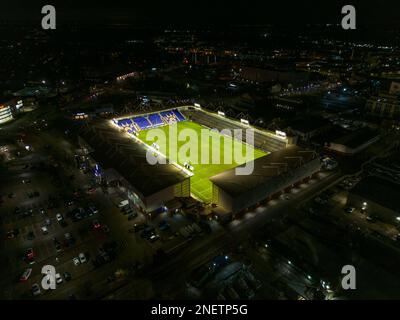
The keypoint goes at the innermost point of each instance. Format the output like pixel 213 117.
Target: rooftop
pixel 114 149
pixel 357 138
pixel 379 190
pixel 265 168
pixel 308 124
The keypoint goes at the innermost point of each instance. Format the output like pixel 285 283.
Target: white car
pixel 76 261
pixel 45 230
pixel 82 258
pixel 59 279
pixel 59 217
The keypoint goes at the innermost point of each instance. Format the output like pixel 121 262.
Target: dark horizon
pixel 251 12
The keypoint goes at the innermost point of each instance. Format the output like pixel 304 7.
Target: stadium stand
pixel 179 115
pixel 264 142
pixel 142 122
pixel 156 120
pixel 152 120
pixel 124 122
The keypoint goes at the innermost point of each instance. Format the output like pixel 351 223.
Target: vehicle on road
pixel 76 261
pixel 59 217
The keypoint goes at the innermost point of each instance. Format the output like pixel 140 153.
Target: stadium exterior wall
pixel 267 190
pixel 153 201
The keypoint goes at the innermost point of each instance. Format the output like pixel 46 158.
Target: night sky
pixel 205 11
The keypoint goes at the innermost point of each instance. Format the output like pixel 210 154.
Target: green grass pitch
pixel 200 185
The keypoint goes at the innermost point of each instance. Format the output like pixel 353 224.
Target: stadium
pixel 122 146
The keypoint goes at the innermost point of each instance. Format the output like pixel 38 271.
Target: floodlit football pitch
pixel 195 149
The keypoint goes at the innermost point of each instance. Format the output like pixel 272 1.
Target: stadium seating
pixel 152 120
pixel 156 120
pixel 169 117
pixel 125 122
pixel 142 122
pixel 179 115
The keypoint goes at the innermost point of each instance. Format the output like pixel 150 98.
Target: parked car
pixel 12 233
pixel 59 217
pixel 82 258
pixel 139 226
pixel 76 261
pixel 96 224
pixel 93 210
pixel 154 237
pixel 349 209
pixel 58 278
pixel 67 276
pixel 45 230
pixel 30 256
pixel 372 218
